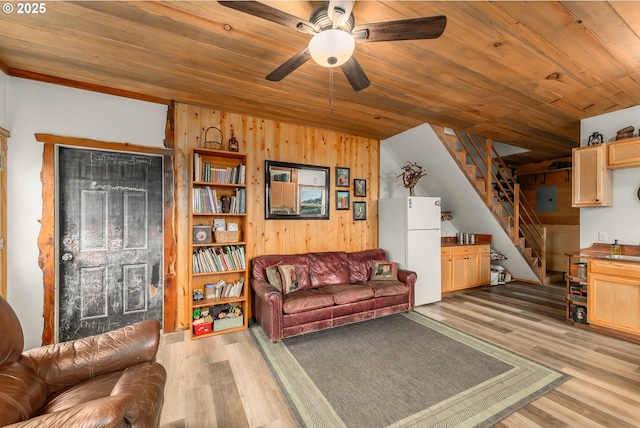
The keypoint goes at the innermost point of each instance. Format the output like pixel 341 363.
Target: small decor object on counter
pixel 595 138
pixel 626 132
pixel 411 173
pixel 616 249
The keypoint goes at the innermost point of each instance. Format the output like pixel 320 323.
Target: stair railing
pixel 501 186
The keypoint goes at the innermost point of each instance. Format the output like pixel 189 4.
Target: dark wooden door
pixel 110 240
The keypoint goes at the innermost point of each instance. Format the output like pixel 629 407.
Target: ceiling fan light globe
pixel 331 48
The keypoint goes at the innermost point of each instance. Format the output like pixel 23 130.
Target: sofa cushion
pixel 360 264
pixel 273 275
pixel 388 288
pixel 22 393
pixel 92 389
pixel 300 261
pixel 289 278
pixel 305 300
pixel 328 268
pixel 384 271
pixel 348 293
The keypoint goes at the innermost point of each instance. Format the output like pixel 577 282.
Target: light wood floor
pixel 222 381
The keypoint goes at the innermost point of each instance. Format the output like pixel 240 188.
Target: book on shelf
pixel 219 259
pixel 205 200
pixel 209 172
pixel 223 289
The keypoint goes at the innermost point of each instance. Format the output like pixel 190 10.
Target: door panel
pixel 110 240
pixel 423 213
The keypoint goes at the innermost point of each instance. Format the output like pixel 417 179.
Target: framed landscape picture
pixel 359 210
pixel 359 187
pixel 342 200
pixel 342 177
pixel 312 200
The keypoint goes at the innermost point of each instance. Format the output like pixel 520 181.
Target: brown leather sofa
pixel 333 288
pixel 108 380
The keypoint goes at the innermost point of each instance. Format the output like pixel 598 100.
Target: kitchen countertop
pixel 630 253
pixel 452 241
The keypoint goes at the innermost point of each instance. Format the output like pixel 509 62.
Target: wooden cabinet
pixel 484 264
pixel 465 266
pixel 613 301
pixel 624 153
pixel 446 267
pixel 218 266
pixel 283 195
pixel 592 181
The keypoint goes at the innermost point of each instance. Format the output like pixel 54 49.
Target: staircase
pixel 496 185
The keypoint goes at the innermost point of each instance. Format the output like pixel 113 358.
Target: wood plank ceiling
pixel 520 73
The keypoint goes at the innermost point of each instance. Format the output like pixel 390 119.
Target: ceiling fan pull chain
pixel 331 91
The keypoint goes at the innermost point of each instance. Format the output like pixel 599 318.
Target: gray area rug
pixel 399 371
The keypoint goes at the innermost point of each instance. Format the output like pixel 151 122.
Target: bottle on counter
pixel 616 249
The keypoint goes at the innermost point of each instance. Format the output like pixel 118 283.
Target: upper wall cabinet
pixel 624 153
pixel 592 181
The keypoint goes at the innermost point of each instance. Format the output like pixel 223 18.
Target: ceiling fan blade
pixel 289 66
pixel 339 11
pixel 269 13
pixel 426 27
pixel 355 74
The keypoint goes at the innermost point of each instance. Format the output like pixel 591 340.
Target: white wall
pixel 391 186
pixel 35 107
pixel 445 179
pixel 622 219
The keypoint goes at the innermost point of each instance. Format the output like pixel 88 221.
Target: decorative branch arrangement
pixel 411 173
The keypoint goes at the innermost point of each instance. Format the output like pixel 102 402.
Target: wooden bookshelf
pixel 218 266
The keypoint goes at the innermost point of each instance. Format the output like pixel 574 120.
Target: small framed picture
pixel 359 187
pixel 359 210
pixel 342 177
pixel 343 201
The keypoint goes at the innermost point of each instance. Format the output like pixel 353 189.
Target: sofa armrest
pixel 409 277
pixel 107 412
pixel 64 364
pixel 267 308
pixel 266 292
pixel 147 382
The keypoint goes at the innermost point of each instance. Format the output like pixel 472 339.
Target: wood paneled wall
pixel 563 225
pixel 270 140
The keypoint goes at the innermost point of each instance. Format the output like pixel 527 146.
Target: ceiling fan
pixel 334 35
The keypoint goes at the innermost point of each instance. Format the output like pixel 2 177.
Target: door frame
pixel 4 135
pixel 47 259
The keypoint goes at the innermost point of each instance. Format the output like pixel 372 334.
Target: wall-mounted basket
pixel 213 143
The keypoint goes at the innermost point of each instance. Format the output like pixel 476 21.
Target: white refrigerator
pixel 409 230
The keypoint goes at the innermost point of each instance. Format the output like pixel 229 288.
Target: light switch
pixel 602 237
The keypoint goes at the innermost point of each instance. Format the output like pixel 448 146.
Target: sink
pixel 622 258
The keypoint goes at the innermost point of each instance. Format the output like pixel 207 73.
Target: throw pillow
pixel 289 278
pixel 383 271
pixel 273 275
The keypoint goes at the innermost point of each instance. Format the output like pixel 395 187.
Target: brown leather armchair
pixel 107 380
